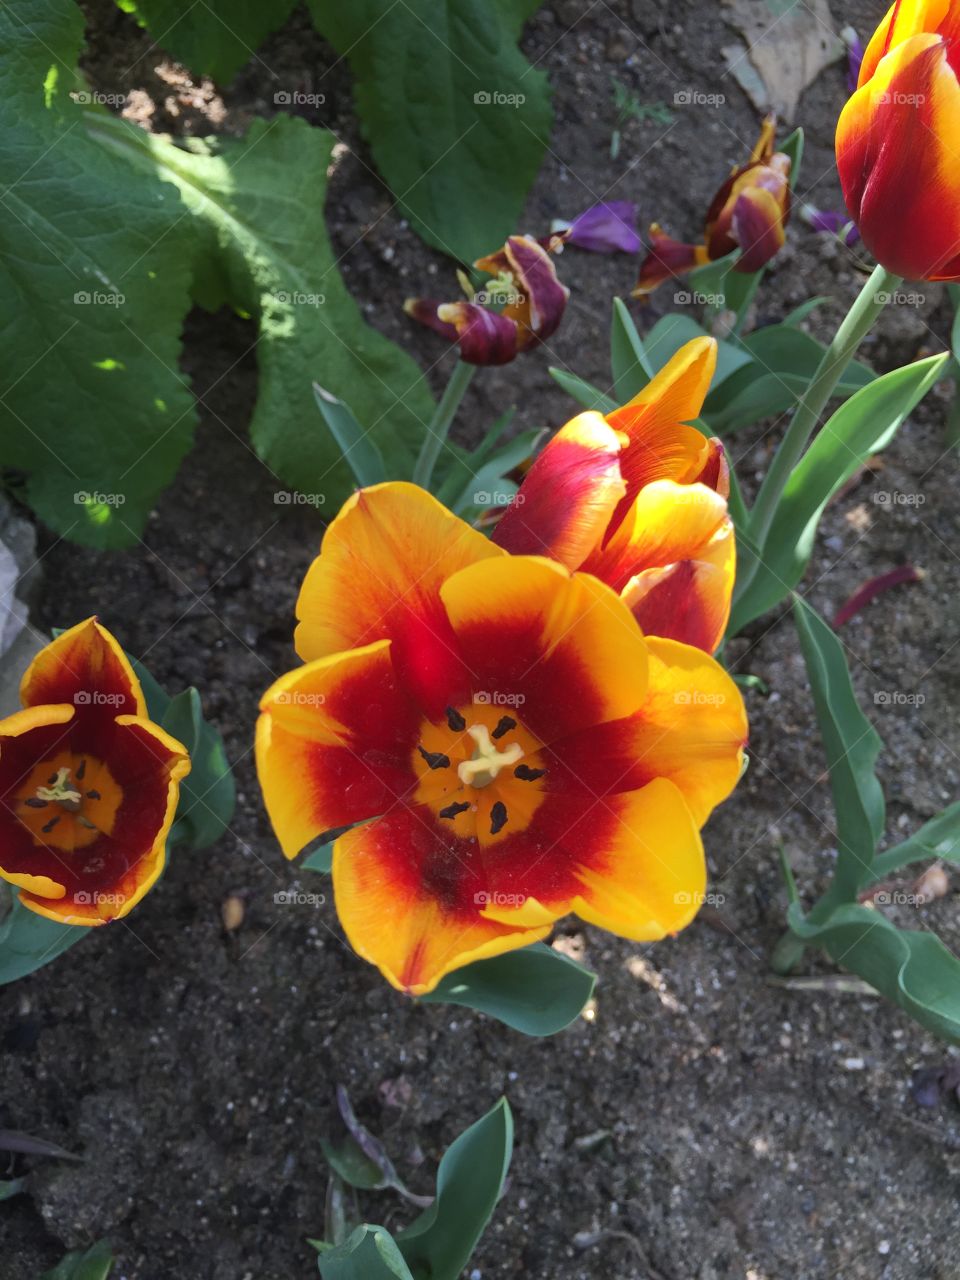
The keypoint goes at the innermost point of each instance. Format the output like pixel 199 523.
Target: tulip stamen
pixel 434 759
pixel 455 720
pixel 526 774
pixel 452 810
pixel 505 724
pixel 487 761
pixel 498 818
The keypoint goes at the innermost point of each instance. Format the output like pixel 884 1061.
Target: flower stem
pixel 439 426
pixel 858 322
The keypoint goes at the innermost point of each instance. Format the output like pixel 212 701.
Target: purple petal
pixel 855 52
pixel 831 222
pixel 610 227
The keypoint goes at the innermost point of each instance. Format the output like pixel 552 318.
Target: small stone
pixel 232 911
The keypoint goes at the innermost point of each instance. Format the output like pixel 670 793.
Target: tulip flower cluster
pixel 504 741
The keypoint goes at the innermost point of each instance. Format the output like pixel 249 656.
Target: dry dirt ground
pixel 704 1123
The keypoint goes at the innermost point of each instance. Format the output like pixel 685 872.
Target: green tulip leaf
pixel 585 393
pixel 911 968
pixel 852 746
pixel 469 1182
pixel 938 838
pixel 359 452
pixel 94 1263
pixel 370 1253
pixel 862 426
pixel 629 363
pixel 29 941
pixel 535 990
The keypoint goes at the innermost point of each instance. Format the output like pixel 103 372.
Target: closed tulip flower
pixel 896 142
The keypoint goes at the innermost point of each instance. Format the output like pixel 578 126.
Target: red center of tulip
pixel 480 771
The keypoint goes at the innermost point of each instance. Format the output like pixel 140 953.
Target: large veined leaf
pixel 456 117
pixel 862 426
pixel 852 746
pixel 265 250
pixel 212 37
pixel 95 277
pixel 911 968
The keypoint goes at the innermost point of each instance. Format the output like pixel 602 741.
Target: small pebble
pixel 232 912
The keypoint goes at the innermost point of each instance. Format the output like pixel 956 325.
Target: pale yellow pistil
pixel 61 792
pixel 487 760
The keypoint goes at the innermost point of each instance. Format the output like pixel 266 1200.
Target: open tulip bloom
pixel 897 142
pixel 511 745
pixel 88 783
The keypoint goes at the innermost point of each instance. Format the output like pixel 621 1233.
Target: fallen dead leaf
pixel 788 44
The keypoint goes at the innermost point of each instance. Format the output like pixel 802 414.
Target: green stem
pixel 858 322
pixel 439 426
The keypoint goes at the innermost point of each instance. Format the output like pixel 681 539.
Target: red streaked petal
pixel 687 601
pixel 691 729
pixel 546 297
pixel 649 876
pixel 665 259
pixel 562 648
pixel 410 899
pixel 86 668
pixel 378 576
pixel 424 311
pixel 334 743
pixel 568 495
pixel 486 337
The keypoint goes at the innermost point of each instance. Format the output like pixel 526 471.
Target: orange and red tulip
pixel 638 498
pixel 896 142
pixel 749 213
pixel 88 783
pixel 535 302
pixel 512 745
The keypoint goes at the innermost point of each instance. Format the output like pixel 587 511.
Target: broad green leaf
pixel 456 117
pixel 29 941
pixel 469 1182
pixel 370 1253
pixel 213 37
pixel 585 393
pixel 359 452
pixel 629 364
pixel 94 1263
pixel 852 746
pixel 938 838
pixel 913 969
pixel 535 990
pixel 862 426
pixel 95 276
pixel 257 203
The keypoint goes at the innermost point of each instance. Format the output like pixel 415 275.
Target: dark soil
pixel 747 1130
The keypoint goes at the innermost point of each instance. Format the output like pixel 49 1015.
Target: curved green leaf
pixel 938 838
pixel 852 746
pixel 585 393
pixel 370 1253
pixel 861 427
pixel 629 364
pixel 535 990
pixel 912 969
pixel 94 1263
pixel 29 941
pixel 469 1182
